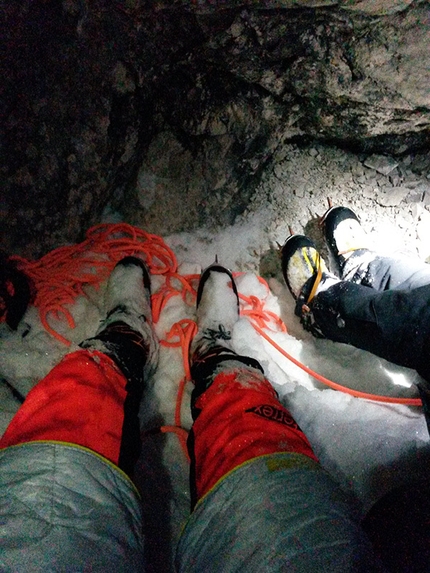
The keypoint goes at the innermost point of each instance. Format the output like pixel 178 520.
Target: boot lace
pixel 220 334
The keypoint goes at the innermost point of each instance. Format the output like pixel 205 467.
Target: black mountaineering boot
pixel 306 274
pixel 347 242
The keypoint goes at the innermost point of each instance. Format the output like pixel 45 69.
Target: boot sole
pixel 291 245
pixel 205 275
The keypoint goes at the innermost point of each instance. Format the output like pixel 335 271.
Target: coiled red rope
pixel 64 273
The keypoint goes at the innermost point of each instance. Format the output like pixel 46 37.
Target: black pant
pixel 388 313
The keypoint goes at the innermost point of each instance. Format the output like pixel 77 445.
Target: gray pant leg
pixel 65 509
pixel 386 273
pixel 272 515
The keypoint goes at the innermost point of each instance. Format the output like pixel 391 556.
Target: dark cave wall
pixel 71 127
pixel 170 111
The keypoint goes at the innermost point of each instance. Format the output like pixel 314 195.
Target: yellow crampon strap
pixel 317 279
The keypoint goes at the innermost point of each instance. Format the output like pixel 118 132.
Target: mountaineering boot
pixel 217 313
pixel 304 270
pixel 348 243
pixel 306 274
pixel 127 334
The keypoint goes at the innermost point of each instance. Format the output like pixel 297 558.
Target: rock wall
pixel 169 112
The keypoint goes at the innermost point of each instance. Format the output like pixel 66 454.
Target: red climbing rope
pixel 184 332
pixel 65 273
pixel 260 319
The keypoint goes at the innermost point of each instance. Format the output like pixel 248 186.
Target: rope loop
pixel 184 330
pixel 66 272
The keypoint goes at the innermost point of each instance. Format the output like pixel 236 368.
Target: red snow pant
pixel 81 401
pixel 240 419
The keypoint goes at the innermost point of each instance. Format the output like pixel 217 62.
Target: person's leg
pixel 77 429
pixel 388 273
pixel 236 419
pixel 393 324
pixel 81 401
pixel 262 500
pixel 92 397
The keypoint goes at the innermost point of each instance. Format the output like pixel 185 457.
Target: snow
pixel 368 447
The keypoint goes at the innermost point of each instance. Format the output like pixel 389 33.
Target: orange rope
pixel 257 313
pixel 184 331
pixel 168 290
pixel 61 275
pixel 258 316
pixel 335 385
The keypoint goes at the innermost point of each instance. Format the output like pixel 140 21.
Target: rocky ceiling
pixel 169 111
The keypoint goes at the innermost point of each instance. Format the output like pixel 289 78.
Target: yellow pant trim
pixel 275 461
